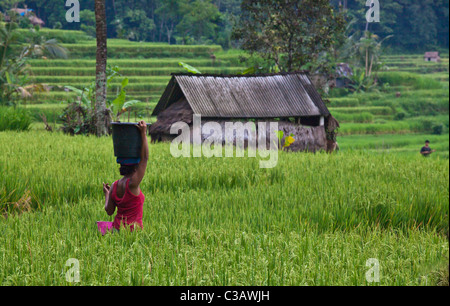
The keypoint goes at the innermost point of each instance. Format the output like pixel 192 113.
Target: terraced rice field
pixel 148 67
pixel 315 219
pixel 413 98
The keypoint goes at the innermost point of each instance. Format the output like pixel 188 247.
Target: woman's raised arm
pixel 137 177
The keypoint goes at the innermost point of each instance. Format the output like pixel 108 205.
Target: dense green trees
pixel 14 54
pixel 415 24
pixel 172 21
pixel 289 33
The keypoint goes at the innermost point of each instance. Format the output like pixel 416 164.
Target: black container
pixel 127 140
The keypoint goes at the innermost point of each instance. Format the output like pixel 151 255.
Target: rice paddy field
pixel 314 219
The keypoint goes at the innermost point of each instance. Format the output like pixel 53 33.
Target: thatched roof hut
pixel 289 98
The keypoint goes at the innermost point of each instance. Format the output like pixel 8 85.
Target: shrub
pixel 400 116
pixel 78 119
pixel 12 119
pixel 438 129
pixel 338 92
pixel 427 125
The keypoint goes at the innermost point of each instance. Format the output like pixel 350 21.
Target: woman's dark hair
pixel 127 169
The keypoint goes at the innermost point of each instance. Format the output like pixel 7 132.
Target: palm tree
pixel 368 50
pixel 39 46
pixel 14 67
pixel 101 112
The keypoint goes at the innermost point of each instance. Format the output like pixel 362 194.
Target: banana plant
pixel 189 68
pixel 84 96
pixel 119 105
pixel 359 82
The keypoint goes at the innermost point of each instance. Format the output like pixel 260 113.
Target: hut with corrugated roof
pixel 288 98
pixel 432 57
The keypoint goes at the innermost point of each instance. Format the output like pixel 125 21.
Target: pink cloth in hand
pixel 104 227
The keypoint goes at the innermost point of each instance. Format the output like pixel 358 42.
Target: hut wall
pixel 307 138
pixel 310 139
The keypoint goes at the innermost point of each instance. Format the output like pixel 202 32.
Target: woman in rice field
pixel 125 194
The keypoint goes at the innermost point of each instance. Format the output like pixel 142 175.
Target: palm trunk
pixel 371 66
pixel 367 61
pixel 169 33
pixel 101 112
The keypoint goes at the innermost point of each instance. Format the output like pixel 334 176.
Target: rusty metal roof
pixel 243 96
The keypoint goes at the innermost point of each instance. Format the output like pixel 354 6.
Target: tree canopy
pixel 289 33
pixel 415 24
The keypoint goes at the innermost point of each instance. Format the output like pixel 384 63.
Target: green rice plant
pixel 64 79
pixel 367 97
pixel 160 62
pixel 405 78
pixel 51 111
pixel 63 36
pixel 126 49
pixel 420 106
pixel 374 110
pixel 147 50
pixel 363 117
pixel 236 225
pixel 57 97
pixel 422 69
pixel 407 145
pixel 442 77
pixel 411 125
pixel 401 127
pixel 433 93
pixel 51 97
pixel 14 119
pixel 344 102
pixel 405 141
pixel 227 178
pixel 84 71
